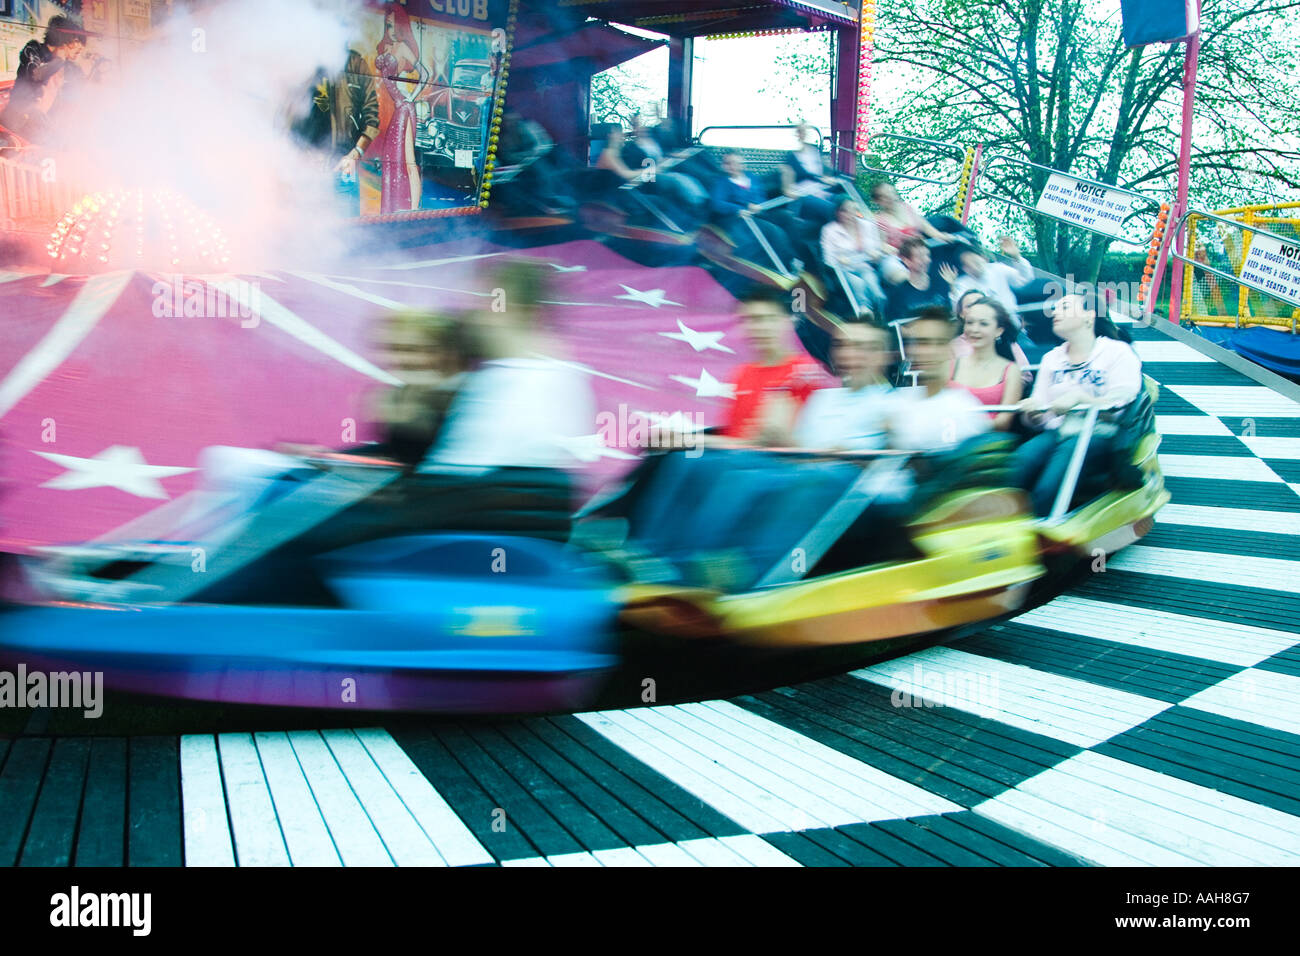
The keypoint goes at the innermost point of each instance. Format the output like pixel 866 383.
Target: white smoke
pixel 202 107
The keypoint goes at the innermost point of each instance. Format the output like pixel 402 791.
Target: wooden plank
pixel 1222 468
pixel 1044 853
pixel 101 832
pixel 1216 602
pixel 665 807
pixel 354 836
pixel 864 792
pixel 54 820
pixel 254 825
pixel 1151 819
pixel 306 838
pixel 1258 696
pixel 1072 710
pixel 581 858
pixel 624 825
pixel 756 850
pixel 1271 573
pixel 520 810
pixel 881 841
pixel 948 740
pixel 1249 400
pixel 1230 519
pixel 928 841
pixel 203 804
pixel 804 850
pixel 846 848
pixel 463 794
pixel 621 856
pixel 20 782
pixel 154 830
pixel 994 852
pixel 405 841
pixel 708 851
pixel 448 833
pixel 1229 643
pixel 666 854
pixel 577 820
pixel 727 791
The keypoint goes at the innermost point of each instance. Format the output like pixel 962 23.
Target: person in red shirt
pixel 771 390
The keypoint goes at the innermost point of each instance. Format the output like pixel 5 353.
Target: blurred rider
pixel 854 416
pixel 934 416
pixel 770 391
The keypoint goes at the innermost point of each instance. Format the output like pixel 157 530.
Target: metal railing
pixel 1247 285
pixel 1132 236
pixel 947 150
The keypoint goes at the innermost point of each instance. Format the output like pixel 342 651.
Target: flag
pixel 1158 21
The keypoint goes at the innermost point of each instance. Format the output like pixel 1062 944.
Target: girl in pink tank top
pixel 986 372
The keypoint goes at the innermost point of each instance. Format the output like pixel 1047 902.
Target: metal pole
pixel 1071 480
pixel 1184 156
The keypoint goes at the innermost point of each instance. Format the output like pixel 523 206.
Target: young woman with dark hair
pixel 1093 366
pixel 989 372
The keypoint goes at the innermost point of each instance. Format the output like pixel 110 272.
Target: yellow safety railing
pixel 1217 247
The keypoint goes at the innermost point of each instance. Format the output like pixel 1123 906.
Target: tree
pixel 617 97
pixel 1050 81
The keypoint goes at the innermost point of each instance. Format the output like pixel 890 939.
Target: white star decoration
pixel 121 467
pixel 706 386
pixel 698 340
pixel 655 297
pixel 559 268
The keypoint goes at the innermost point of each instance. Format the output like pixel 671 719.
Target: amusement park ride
pixel 419 618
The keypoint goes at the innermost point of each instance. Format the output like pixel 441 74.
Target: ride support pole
pixel 1184 158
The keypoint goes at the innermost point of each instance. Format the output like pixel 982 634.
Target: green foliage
pixel 1049 81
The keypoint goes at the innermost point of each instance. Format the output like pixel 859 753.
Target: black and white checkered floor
pixel 1151 716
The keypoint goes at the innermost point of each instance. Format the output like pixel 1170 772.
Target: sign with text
pixel 1085 204
pixel 1273 266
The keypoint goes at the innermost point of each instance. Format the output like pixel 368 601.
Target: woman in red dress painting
pixel 396 57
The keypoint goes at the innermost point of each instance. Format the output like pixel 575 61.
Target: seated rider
pixel 989 371
pixel 1094 366
pixel 770 392
pixel 854 416
pixel 852 242
pixel 936 415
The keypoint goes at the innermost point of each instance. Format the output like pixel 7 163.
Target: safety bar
pixel 993 160
pixel 957 153
pixel 848 289
pixel 874 480
pixel 748 219
pixel 656 212
pixel 699 137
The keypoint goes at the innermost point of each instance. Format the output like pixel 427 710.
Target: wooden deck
pixel 1151 716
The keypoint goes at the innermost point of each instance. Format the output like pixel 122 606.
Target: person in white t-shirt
pixel 934 416
pixel 851 418
pixel 997 280
pixel 1093 366
pixel 523 406
pixel 852 242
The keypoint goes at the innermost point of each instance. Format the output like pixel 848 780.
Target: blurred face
pixel 981 326
pixel 846 213
pixel 858 354
pixel 733 165
pixel 965 302
pixel 406 351
pixel 616 139
pixel 973 263
pixel 1070 316
pixel 918 261
pixel 765 325
pixel 885 195
pixel 929 346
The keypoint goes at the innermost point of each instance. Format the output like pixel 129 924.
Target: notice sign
pixel 1084 204
pixel 1273 266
